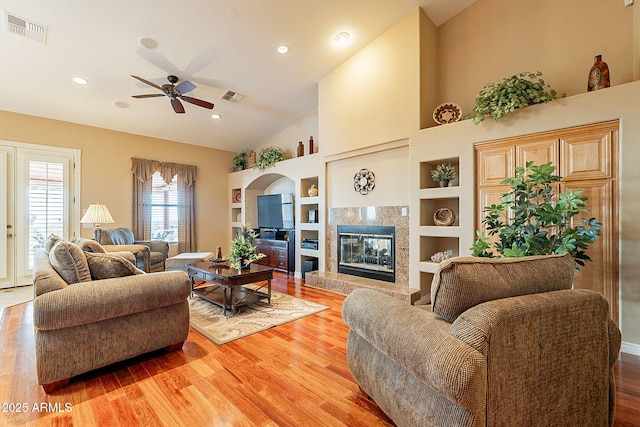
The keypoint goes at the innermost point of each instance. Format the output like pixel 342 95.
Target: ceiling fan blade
pixel 151 95
pixel 198 102
pixel 185 87
pixel 177 106
pixel 147 82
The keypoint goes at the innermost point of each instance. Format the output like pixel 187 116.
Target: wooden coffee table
pixel 224 286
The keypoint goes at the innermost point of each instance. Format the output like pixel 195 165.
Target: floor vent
pixel 232 96
pixel 24 27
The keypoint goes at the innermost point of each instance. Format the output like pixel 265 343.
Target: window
pixel 164 209
pixel 46 203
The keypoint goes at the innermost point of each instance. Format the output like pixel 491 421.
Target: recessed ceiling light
pixel 342 38
pixel 80 80
pixel 216 116
pixel 148 43
pixel 283 48
pixel 121 104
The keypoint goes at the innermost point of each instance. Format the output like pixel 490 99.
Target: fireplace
pixel 367 251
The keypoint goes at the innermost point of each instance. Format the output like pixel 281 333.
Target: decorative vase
pixel 251 159
pixel 313 191
pixel 598 75
pixel 300 149
pixel 444 183
pixel 311 145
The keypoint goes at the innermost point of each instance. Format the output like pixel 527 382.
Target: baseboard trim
pixel 630 348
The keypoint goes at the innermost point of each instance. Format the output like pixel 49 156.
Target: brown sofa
pixel 86 322
pixel 151 255
pixel 504 343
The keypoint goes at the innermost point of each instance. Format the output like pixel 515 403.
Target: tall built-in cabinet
pixel 587 158
pixel 244 187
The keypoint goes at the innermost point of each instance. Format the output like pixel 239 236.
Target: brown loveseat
pixel 505 343
pixel 151 255
pixel 84 322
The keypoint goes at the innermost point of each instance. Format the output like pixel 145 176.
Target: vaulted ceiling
pixel 218 45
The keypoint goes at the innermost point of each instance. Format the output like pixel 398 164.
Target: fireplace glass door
pixel 367 251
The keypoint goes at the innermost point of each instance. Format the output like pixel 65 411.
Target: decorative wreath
pixel 364 181
pixel 444 216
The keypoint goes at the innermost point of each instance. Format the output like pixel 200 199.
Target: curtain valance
pixel 143 169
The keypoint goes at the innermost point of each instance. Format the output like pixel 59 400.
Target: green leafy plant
pixel 240 161
pixel 268 157
pixel 531 219
pixel 243 251
pixel 519 91
pixel 443 172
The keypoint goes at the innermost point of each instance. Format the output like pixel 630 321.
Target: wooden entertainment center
pixel 280 254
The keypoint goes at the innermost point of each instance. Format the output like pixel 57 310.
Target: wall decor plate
pixel 448 112
pixel 364 181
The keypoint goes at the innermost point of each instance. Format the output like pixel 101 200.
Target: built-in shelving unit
pixel 303 172
pixel 428 238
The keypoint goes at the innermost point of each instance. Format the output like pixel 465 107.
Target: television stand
pixel 279 254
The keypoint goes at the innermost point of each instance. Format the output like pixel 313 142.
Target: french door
pixel 38 189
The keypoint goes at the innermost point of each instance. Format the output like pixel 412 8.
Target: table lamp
pixel 97 214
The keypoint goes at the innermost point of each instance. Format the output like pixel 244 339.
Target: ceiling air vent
pixel 24 27
pixel 232 96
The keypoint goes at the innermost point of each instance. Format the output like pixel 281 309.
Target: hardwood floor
pixel 295 374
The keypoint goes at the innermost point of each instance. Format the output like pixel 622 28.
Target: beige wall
pixel 374 97
pixel 106 162
pixel 493 39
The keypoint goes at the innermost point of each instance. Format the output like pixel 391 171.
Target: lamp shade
pixel 97 214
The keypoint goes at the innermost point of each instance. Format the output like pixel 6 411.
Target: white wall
pixel 301 130
pixel 391 169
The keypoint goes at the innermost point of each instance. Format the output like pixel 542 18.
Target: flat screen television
pixel 275 211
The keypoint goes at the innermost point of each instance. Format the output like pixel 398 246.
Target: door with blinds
pixel 37 194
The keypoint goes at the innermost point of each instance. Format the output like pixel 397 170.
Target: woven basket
pixel 444 216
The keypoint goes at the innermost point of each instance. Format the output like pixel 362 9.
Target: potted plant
pixel 268 157
pixel 243 251
pixel 532 220
pixel 240 161
pixel 519 91
pixel 443 173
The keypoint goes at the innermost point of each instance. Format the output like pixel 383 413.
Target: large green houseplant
pixel 531 219
pixel 268 157
pixel 243 251
pixel 502 97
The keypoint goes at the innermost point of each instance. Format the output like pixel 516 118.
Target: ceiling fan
pixel 175 93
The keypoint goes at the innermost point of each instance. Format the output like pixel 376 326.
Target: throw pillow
pixel 88 245
pixel 51 240
pixel 68 260
pixel 463 282
pixel 108 266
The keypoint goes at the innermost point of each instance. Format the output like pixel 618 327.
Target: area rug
pixel 208 319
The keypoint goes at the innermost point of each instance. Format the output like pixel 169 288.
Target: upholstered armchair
pixel 150 254
pixel 503 343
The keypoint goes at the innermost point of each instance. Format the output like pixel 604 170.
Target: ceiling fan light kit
pixel 175 93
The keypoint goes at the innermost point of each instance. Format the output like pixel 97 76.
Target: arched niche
pixel 268 183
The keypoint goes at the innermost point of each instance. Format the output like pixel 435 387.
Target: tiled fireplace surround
pixel 372 215
pixel 396 216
